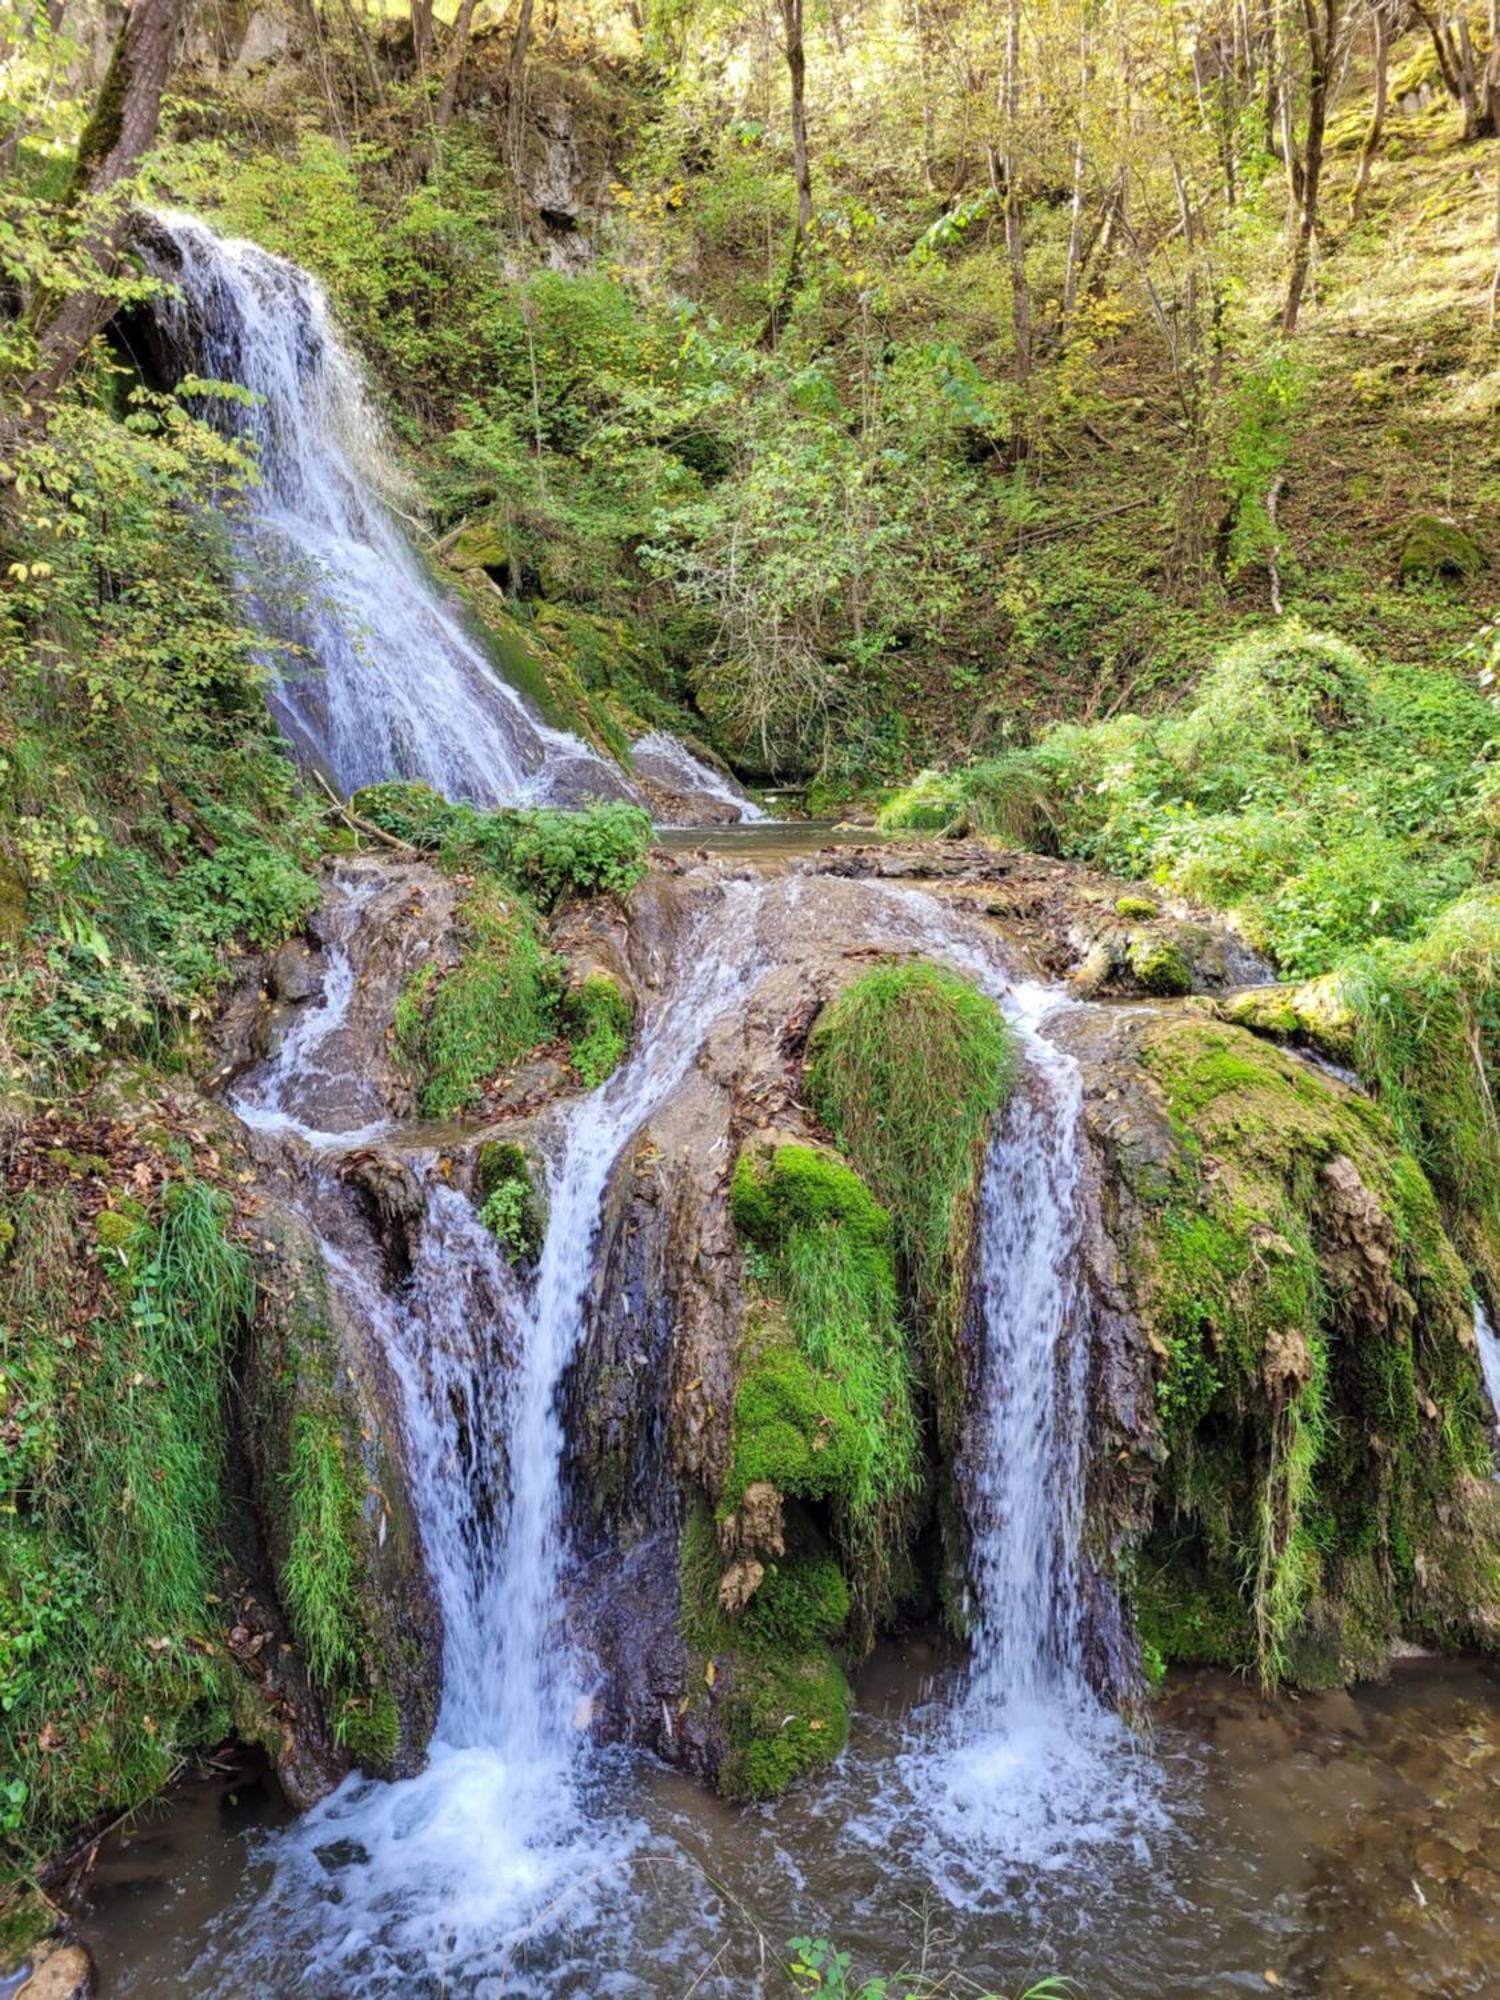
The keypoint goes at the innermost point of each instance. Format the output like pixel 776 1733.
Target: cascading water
pixel 1488 1343
pixel 442 1874
pixel 375 677
pixel 1027 1764
pixel 673 766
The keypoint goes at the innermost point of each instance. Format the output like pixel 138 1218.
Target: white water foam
pixel 375 675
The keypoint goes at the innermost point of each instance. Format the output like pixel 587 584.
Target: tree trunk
pixel 515 97
pixel 1015 222
pixel 421 33
pixel 1477 96
pixel 796 69
pixel 120 131
pixel 456 53
pixel 1375 130
pixel 1322 32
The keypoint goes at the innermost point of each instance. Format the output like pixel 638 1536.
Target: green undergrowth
pixel 1326 1483
pixel 907 1067
pixel 780 1694
pixel 115 1339
pixel 598 1018
pixel 545 852
pixel 151 823
pixel 456 1029
pixel 1342 814
pixel 511 1205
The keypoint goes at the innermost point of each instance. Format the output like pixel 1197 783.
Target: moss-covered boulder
pixel 812 1528
pixel 323 1440
pixel 1324 1486
pixel 1434 546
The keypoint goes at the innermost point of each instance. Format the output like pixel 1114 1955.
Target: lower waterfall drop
pixel 499 1838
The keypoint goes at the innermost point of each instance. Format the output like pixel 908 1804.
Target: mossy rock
pixel 1159 964
pixel 1325 1485
pixel 325 1448
pixel 479 545
pixel 824 1408
pixel 1435 547
pixel 1136 909
pixel 774 1692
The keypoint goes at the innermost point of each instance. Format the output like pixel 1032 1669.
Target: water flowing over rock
pixel 376 676
pixel 688 790
pixel 545 1428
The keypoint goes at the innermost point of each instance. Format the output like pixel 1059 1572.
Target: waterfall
pixel 673 766
pixel 1488 1343
pixel 374 676
pixel 1022 1766
pixel 447 1870
pixel 1025 1452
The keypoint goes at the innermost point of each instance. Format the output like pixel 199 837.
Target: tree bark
pixel 1015 223
pixel 120 131
pixel 421 33
pixel 1375 130
pixel 457 50
pixel 515 91
pixel 1321 20
pixel 796 69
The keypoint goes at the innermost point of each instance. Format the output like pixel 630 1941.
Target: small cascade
pixel 306 1079
pixel 1026 1766
pixel 375 677
pixel 1488 1343
pixel 1025 1483
pixel 699 793
pixel 448 1869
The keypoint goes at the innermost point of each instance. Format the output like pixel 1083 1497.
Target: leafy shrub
pixel 547 852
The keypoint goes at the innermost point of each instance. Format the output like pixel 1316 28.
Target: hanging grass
pixel 907 1068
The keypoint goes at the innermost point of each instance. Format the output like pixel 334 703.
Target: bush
pixel 547 852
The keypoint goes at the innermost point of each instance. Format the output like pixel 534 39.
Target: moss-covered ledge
pixel 331 1492
pixel 1325 1488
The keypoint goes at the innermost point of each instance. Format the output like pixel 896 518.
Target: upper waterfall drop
pixel 375 677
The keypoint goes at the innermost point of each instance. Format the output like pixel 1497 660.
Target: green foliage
pixel 547 853
pixel 323 1503
pixel 908 1066
pixel 456 1030
pixel 510 1204
pixel 114 1349
pixel 598 1017
pixel 149 820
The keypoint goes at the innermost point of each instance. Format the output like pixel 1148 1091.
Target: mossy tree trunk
pixel 117 137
